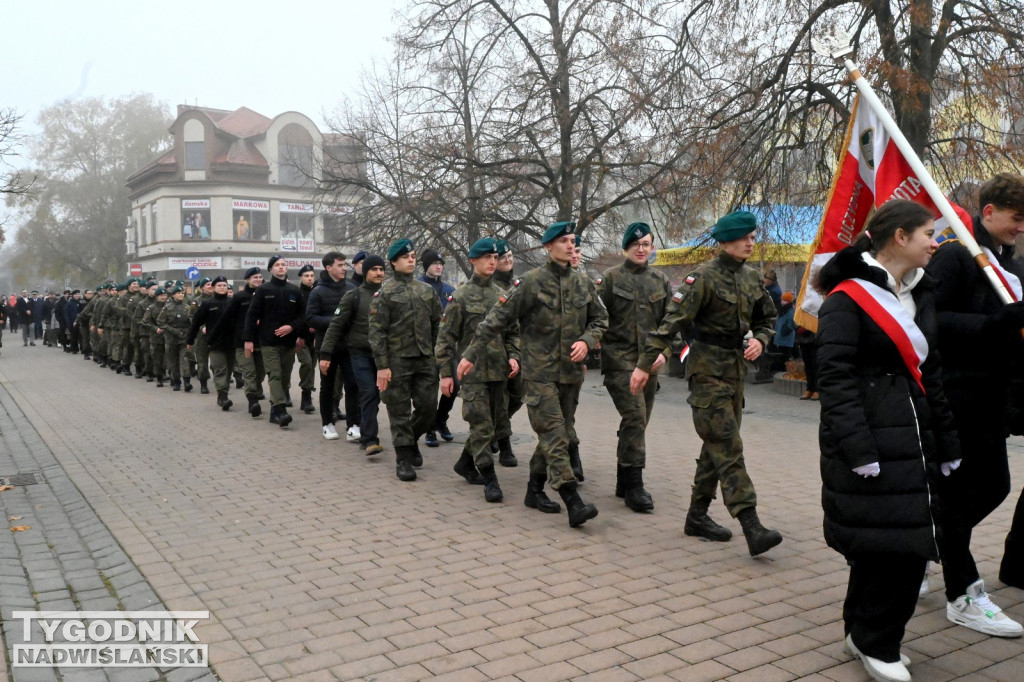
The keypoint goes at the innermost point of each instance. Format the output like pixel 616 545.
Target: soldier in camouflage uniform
pixel 96 336
pixel 156 341
pixel 484 398
pixel 724 299
pixel 125 305
pixel 140 333
pixel 635 296
pixel 113 326
pixel 201 350
pixel 503 278
pixel 561 318
pixel 84 337
pixel 404 319
pixel 173 324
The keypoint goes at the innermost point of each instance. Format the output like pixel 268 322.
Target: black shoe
pixel 506 457
pixel 759 538
pixel 464 467
pixel 442 428
pixel 239 383
pixel 415 456
pixel 699 524
pixel 175 385
pixel 160 383
pixel 536 498
pixel 254 406
pixel 492 491
pixel 203 388
pixel 150 379
pixel 307 402
pixel 188 384
pixel 287 399
pixel 223 400
pixel 579 511
pixel 403 467
pixel 431 439
pixel 574 461
pixel 637 499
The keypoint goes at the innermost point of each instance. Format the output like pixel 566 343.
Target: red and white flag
pixel 871 171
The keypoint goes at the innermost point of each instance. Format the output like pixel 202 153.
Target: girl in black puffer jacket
pixel 886 428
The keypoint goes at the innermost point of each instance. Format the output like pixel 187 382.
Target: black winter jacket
pixel 276 303
pixel 872 410
pixel 323 301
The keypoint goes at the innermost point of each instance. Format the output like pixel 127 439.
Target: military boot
pixel 579 511
pixel 464 467
pixel 223 401
pixel 239 382
pixel 283 418
pixel 492 492
pixel 138 372
pixel 620 491
pixel 574 461
pixel 506 457
pixel 175 385
pixel 159 382
pixel 536 498
pixel 307 401
pixel 759 538
pixel 203 387
pixel 637 499
pixel 699 524
pixel 254 406
pixel 288 399
pixel 403 465
pixel 415 456
pixel 188 384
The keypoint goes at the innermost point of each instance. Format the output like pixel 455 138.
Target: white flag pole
pixel 838 47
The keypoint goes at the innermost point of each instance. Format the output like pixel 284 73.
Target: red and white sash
pixel 1010 280
pixel 897 323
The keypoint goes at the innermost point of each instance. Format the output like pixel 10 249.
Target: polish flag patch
pixel 677 297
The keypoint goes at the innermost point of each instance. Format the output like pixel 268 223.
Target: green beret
pixel 176 290
pixel 179 283
pixel 734 226
pixel 161 291
pixel 556 230
pixel 168 284
pixel 503 247
pixel 400 248
pixel 482 247
pixel 634 233
pixel 204 281
pixel 120 287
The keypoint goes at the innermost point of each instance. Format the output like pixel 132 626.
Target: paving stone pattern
pixel 317 564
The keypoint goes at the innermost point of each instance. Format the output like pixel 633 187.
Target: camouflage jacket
pixel 120 318
pixel 102 318
pixel 723 299
pixel 174 319
pixel 466 309
pixel 556 306
pixel 635 296
pixel 147 326
pixel 84 318
pixel 404 317
pixel 503 280
pixel 136 309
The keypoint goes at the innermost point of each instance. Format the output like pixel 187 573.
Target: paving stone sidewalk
pixel 316 563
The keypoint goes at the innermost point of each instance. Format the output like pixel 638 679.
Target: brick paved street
pixel 316 563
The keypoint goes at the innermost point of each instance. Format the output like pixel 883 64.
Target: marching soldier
pixel 173 324
pixel 404 319
pixel 560 319
pixel 484 398
pixel 156 341
pixel 249 363
pixel 635 296
pixel 222 355
pixel 724 299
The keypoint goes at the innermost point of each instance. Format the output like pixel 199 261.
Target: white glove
pixel 950 467
pixel 868 470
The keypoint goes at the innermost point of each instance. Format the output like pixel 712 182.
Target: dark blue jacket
pixel 443 289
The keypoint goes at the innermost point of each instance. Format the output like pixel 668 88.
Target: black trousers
pixel 966 497
pixel 1011 570
pixel 340 370
pixel 880 601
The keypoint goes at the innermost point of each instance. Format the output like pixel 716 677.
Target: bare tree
pixel 14 181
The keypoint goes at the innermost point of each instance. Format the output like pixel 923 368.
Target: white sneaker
pixel 976 611
pixel 879 670
pixel 352 435
pixel 331 433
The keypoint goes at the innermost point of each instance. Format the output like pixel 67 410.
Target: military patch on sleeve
pixel 337 310
pixel 599 280
pixel 502 299
pixel 515 283
pixel 690 279
pixel 451 297
pixel 376 293
pixel 677 297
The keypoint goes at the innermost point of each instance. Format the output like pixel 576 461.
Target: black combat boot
pixel 492 492
pixel 637 499
pixel 307 401
pixel 283 418
pixel 415 456
pixel 579 511
pixel 115 368
pixel 574 461
pixel 620 491
pixel 254 406
pixel 759 538
pixel 699 524
pixel 175 385
pixel 536 498
pixel 446 434
pixel 203 388
pixel 150 378
pixel 287 398
pixel 464 467
pixel 159 382
pixel 188 384
pixel 138 372
pixel 403 465
pixel 239 382
pixel 223 401
pixel 506 457
pixel 126 370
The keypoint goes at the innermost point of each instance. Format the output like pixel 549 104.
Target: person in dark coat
pixel 886 428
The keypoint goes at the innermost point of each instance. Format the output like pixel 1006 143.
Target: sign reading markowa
pixel 117 639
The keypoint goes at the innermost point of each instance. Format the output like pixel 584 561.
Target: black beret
pixel 359 256
pixel 219 278
pixel 307 268
pixel 250 272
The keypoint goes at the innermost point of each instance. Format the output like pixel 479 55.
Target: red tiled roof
pixel 243 122
pixel 242 153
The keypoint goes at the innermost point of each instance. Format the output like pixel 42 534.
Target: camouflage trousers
pixel 717 411
pixel 156 352
pixel 411 398
pixel 307 372
pixel 483 404
pixel 176 356
pixel 251 370
pixel 514 397
pixel 127 349
pixel 551 406
pixel 222 364
pixel 201 350
pixel 279 361
pixel 145 360
pixel 635 414
pixel 98 343
pixel 114 339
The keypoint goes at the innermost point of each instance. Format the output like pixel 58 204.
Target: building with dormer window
pixel 235 188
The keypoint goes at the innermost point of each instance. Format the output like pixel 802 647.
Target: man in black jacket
pixel 979 336
pixel 25 308
pixel 221 354
pixel 275 319
pixel 231 326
